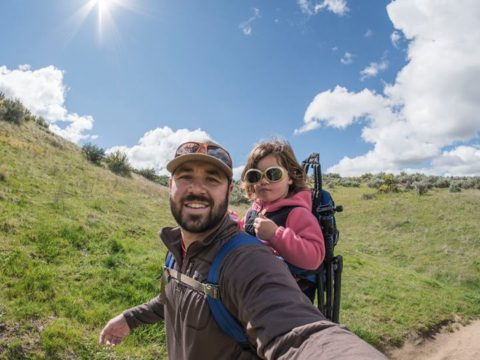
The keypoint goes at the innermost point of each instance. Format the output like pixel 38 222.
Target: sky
pixel 372 85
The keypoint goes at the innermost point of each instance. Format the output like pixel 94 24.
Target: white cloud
pixel 309 7
pixel 373 69
pixel 429 115
pixel 42 91
pixel 463 161
pixel 368 33
pixel 347 58
pixel 396 37
pixel 157 147
pixel 237 172
pixel 340 108
pixel 246 26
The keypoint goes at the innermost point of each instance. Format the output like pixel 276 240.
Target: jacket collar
pixel 172 238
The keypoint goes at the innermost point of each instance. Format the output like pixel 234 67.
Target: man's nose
pixel 197 186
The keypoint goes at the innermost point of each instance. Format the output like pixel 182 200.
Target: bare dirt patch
pixel 461 344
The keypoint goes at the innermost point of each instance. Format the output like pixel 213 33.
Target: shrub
pixel 421 187
pixel 93 153
pixel 442 183
pixel 150 174
pixel 237 196
pixel 117 162
pixel 349 182
pixel 389 185
pixel 368 196
pixel 163 180
pixel 41 122
pixel 375 183
pixel 454 187
pixel 147 173
pixel 468 183
pixel 13 111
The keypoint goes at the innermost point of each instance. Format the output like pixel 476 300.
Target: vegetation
pixel 151 174
pixel 79 244
pixel 117 162
pixel 93 153
pixel 390 183
pixel 237 197
pixel 14 112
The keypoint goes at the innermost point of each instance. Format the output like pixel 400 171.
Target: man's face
pixel 199 195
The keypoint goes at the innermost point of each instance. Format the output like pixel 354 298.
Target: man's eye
pixel 184 177
pixel 213 180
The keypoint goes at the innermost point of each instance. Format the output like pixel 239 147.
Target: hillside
pixel 79 244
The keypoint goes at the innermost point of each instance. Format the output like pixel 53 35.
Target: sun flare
pixel 105 11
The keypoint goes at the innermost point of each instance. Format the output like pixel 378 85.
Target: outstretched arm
pixel 120 326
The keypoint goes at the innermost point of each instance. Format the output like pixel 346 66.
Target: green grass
pixel 79 245
pixel 411 261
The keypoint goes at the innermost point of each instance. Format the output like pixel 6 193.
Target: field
pixel 79 244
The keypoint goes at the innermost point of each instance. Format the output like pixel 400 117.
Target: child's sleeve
pixel 301 241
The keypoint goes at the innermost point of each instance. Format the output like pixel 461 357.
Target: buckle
pixel 210 290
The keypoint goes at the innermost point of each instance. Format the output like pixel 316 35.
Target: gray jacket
pixel 258 289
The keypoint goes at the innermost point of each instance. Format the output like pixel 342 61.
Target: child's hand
pixel 264 227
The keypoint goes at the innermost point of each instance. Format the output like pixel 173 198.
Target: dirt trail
pixel 462 344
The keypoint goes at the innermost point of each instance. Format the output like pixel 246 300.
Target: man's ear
pixel 230 189
pixel 170 183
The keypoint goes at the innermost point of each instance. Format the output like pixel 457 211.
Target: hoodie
pixel 300 242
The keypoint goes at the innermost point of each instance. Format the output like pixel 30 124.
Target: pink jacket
pixel 300 242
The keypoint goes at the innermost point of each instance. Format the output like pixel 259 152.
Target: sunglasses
pixel 272 174
pixel 193 147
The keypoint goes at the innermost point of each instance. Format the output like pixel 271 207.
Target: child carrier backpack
pixel 327 277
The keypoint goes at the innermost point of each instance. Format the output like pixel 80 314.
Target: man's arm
pixel 120 326
pixel 322 339
pixel 148 313
pixel 259 290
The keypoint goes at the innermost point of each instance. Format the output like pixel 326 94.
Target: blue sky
pixel 371 85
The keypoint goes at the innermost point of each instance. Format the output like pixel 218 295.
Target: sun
pixel 105 11
pixel 104 14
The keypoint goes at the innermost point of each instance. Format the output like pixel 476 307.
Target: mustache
pixel 197 198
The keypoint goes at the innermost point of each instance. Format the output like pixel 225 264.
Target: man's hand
pixel 114 332
pixel 264 227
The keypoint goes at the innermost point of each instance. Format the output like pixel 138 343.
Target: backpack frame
pixel 329 274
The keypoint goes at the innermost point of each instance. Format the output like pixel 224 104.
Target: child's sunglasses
pixel 272 174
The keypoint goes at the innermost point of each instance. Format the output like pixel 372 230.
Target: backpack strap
pixel 225 320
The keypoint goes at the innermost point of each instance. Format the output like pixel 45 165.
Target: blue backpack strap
pixel 169 260
pixel 225 320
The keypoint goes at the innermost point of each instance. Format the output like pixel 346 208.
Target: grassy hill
pixel 79 244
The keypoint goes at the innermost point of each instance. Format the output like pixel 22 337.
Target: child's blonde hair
pixel 285 156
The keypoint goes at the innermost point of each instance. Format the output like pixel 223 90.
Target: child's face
pixel 269 192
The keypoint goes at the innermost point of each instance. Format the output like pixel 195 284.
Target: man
pixel 255 286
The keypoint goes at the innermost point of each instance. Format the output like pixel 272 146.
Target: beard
pixel 199 223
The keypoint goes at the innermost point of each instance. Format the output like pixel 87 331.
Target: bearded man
pixel 254 286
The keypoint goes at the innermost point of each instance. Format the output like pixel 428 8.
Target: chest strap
pixel 210 290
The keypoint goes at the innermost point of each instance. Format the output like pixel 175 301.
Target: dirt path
pixel 462 344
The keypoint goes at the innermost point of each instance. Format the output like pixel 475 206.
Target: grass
pixel 79 245
pixel 411 261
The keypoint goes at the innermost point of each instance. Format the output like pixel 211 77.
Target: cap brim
pixel 176 162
